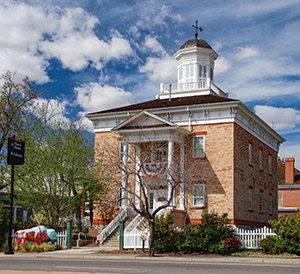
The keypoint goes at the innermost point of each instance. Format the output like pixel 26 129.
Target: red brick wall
pixel 289 170
pixel 291 198
pixel 215 171
pixel 250 176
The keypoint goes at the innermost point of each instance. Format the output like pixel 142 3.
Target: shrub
pixel 274 245
pixel 206 237
pixel 165 239
pixel 288 230
pixel 229 245
pixel 32 247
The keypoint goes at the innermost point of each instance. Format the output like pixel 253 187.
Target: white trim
pixel 289 186
pixel 201 196
pixel 203 146
pixel 284 209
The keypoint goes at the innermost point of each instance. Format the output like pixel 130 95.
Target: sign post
pixel 15 156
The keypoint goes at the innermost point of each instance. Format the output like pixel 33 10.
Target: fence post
pixel 121 235
pixel 69 233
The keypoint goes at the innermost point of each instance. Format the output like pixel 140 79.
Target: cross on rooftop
pixel 196 29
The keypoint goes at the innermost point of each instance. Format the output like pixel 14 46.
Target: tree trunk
pixel 151 237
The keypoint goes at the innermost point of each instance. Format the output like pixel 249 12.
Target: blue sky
pixel 87 56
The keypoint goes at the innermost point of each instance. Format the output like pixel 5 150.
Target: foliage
pixel 15 101
pixel 4 224
pixel 273 245
pixel 229 245
pixel 206 237
pixel 212 236
pixel 32 247
pixel 165 239
pixel 288 231
pixel 58 175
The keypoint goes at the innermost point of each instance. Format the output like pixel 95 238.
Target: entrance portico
pixel 154 139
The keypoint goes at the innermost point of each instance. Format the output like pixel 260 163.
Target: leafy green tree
pixel 3 223
pixel 15 102
pixel 59 174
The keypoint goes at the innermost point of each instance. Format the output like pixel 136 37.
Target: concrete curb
pixel 92 254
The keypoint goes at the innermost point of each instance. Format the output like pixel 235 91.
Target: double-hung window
pixel 270 164
pixel 251 199
pixel 270 204
pixel 198 194
pixel 250 154
pixel 198 146
pixel 260 160
pixel 261 199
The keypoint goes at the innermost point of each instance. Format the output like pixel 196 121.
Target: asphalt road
pixel 140 266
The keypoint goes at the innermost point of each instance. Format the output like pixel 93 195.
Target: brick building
pixel 229 153
pixel 288 187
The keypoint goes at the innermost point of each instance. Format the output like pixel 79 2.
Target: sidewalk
pixel 93 253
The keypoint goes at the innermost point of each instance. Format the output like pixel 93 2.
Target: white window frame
pixel 250 198
pixel 201 153
pixel 199 199
pixel 250 154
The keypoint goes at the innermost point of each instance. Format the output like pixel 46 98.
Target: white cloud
pixel 279 118
pixel 95 97
pixel 161 69
pixel 222 65
pixel 52 110
pixel 247 52
pixel 152 44
pixel 291 149
pixel 30 35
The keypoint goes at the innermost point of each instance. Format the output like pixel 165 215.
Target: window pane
pixel 250 154
pixel 199 146
pixel 200 70
pixel 198 195
pixel 250 198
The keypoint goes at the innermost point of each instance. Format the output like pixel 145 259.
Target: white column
pixel 181 191
pixel 125 176
pixel 170 167
pixel 137 180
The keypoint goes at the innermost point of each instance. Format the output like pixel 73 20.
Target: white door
pixel 157 197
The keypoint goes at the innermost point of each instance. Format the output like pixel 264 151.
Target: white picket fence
pixel 250 238
pixel 133 239
pixel 62 238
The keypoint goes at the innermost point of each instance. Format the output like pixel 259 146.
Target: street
pixel 134 265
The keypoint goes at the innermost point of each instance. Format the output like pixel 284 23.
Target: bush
pixel 32 247
pixel 206 237
pixel 165 239
pixel 288 231
pixel 229 245
pixel 273 245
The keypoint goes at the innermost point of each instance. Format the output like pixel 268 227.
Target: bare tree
pixel 149 179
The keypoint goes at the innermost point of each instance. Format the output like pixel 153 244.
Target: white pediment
pixel 144 119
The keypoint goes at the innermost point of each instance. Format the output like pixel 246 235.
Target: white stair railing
pixel 134 223
pixel 112 226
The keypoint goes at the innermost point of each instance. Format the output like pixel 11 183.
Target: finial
pixel 196 29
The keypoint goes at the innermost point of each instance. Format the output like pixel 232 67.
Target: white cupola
pixel 195 71
pixel 195 63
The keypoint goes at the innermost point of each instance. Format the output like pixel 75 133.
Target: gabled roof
pixel 146 120
pixel 174 102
